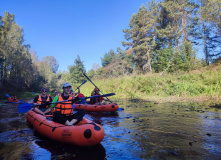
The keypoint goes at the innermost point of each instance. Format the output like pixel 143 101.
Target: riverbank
pixel 198 99
pixel 201 85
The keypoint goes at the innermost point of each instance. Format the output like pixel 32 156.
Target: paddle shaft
pixel 80 85
pixel 95 86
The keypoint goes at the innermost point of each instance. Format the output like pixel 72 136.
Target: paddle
pixel 7 95
pixel 95 85
pixel 24 107
pixel 104 95
pixel 80 85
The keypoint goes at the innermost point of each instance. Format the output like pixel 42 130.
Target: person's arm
pixel 38 111
pixel 52 105
pixel 78 90
pixel 93 92
pixel 54 100
pixel 34 100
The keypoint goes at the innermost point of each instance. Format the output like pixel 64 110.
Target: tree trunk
pixel 149 64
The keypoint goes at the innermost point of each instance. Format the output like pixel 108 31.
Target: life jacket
pixel 15 99
pixel 96 100
pixel 64 107
pixel 10 99
pixel 40 101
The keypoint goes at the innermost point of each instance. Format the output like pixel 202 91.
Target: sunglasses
pixel 44 91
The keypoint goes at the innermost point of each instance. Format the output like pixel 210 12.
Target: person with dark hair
pixel 43 98
pixel 63 111
pixel 97 100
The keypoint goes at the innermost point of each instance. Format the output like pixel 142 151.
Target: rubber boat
pixel 112 107
pixel 19 101
pixel 85 133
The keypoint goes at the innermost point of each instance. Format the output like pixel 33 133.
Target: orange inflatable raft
pixel 85 133
pixel 112 107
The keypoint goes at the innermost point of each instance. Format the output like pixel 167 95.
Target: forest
pixel 162 37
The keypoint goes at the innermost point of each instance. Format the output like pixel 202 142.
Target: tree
pixel 210 28
pixel 108 58
pixel 52 62
pixel 140 38
pixel 76 71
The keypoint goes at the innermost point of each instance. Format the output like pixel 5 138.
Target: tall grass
pixel 206 82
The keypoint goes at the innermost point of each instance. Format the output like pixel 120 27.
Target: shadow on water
pixel 143 130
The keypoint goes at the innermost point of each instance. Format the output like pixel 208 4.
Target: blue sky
pixel 65 29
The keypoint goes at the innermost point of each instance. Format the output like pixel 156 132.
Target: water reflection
pixel 63 151
pixel 143 130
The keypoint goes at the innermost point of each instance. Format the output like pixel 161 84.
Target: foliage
pixel 76 71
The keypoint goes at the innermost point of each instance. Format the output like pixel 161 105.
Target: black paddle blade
pixel 104 95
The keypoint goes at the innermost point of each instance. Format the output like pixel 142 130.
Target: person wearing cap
pixel 43 98
pixel 98 100
pixel 63 111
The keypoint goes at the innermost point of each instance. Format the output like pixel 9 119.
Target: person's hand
pixel 77 99
pixel 47 103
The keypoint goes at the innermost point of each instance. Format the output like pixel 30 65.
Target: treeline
pixel 167 36
pixel 161 37
pixel 20 69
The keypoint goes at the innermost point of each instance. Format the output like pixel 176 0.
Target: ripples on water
pixel 143 130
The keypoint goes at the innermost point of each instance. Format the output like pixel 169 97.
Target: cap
pixel 44 88
pixel 66 84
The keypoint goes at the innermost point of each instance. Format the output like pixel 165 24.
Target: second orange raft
pixel 85 133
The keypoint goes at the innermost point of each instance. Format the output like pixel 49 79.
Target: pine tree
pixel 140 39
pixel 76 71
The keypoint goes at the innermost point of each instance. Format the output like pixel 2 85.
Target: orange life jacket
pixel 40 100
pixel 10 99
pixel 13 99
pixel 64 107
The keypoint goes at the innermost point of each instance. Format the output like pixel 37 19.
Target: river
pixel 142 130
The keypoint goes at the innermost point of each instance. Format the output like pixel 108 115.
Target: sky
pixel 67 28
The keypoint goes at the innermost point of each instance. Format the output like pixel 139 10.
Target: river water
pixel 143 130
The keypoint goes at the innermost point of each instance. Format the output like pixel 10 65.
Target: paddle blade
pixel 104 95
pixel 84 82
pixel 24 107
pixel 7 95
pixel 34 93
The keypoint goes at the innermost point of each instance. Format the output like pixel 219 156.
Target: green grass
pixel 201 83
pixel 205 82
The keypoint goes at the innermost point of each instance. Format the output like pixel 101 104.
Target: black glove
pixel 47 103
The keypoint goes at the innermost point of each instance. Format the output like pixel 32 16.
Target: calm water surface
pixel 143 130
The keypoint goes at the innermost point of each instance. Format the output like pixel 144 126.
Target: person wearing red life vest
pixel 81 96
pixel 43 98
pixel 63 111
pixel 98 100
pixel 13 99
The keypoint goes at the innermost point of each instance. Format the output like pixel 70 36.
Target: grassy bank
pixel 198 85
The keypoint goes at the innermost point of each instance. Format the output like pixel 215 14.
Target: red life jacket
pixel 96 100
pixel 10 99
pixel 64 107
pixel 40 100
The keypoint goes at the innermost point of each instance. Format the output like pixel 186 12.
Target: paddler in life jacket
pixel 63 111
pixel 43 98
pixel 80 95
pixel 98 100
pixel 13 99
